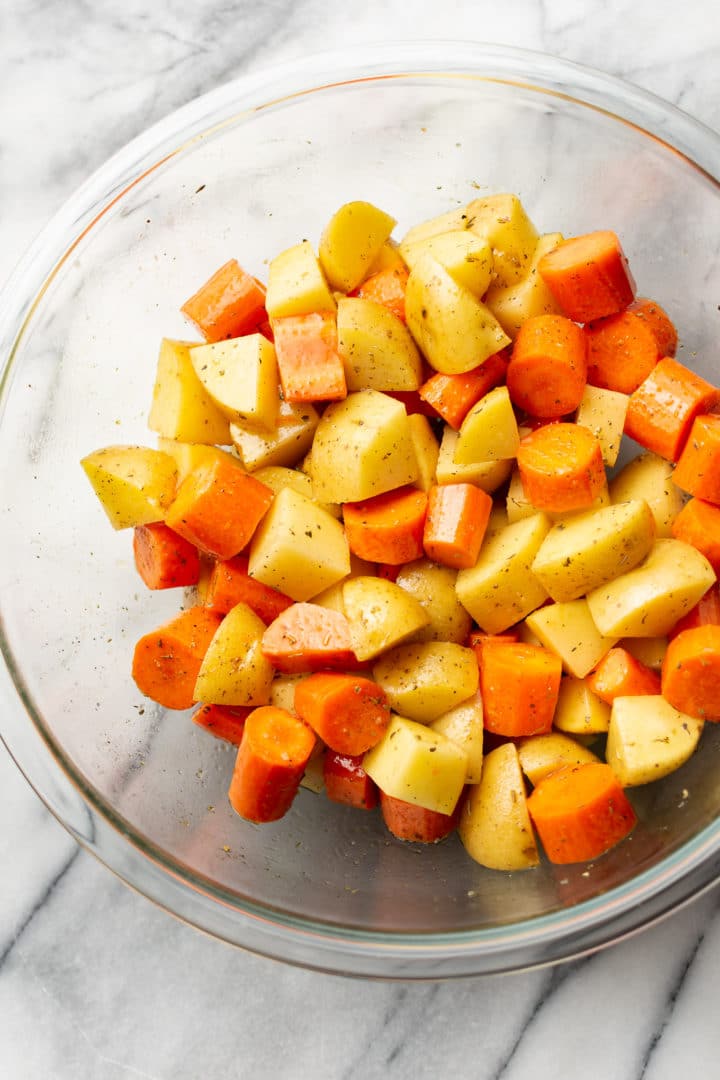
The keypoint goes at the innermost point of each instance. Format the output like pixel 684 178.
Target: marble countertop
pixel 95 982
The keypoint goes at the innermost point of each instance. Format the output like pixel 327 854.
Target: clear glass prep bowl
pixel 245 171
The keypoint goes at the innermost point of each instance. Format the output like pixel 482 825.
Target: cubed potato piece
pixel 463 725
pixel 433 586
pixel 567 629
pixel 290 439
pixel 314 777
pixel 380 615
pixel 498 520
pixel 501 588
pixel 426 450
pixel 489 432
pixel 649 600
pixel 332 597
pixel 465 255
pixel 603 412
pixel 388 258
pixel 579 711
pixel 191 456
pixel 488 475
pixel 517 504
pixel 592 548
pixel 455 220
pixel 234 670
pixel 453 329
pixel 277 477
pixel 649 477
pixel 351 242
pixel 362 447
pixel 649 651
pixel 418 765
pixel 298 548
pixel 282 691
pixel 541 754
pixel 426 680
pixel 648 738
pixel 181 407
pixel 134 484
pixel 241 376
pixel 513 304
pixel 494 825
pixel 296 284
pixel 502 220
pixel 376 347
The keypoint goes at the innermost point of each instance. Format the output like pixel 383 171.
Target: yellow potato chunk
pixel 603 413
pixel 489 432
pixel 181 407
pixel 495 826
pixel 418 765
pixel 451 221
pixel 466 257
pixel 426 680
pixel 376 347
pixel 351 242
pixel 234 670
pixel 241 377
pixel 649 651
pixel 296 284
pixel 567 629
pixel 433 586
pixel 282 691
pixel 488 475
pixel 463 725
pixel 426 450
pixel 648 738
pixel 380 615
pixel 649 477
pixel 388 258
pixel 579 711
pixel 541 754
pixel 277 477
pixel 191 456
pixel 500 589
pixel 332 597
pixel 502 220
pixel 298 548
pixel 289 440
pixel 134 484
pixel 513 304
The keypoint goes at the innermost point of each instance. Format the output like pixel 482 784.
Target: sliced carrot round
pixel 691 672
pixel 270 763
pixel 548 367
pixel 561 467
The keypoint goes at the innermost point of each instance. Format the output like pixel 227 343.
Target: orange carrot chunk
pixel 347 782
pixel 698 467
pixel 308 361
pixel 452 396
pixel 561 467
pixel 698 523
pixel 705 613
pixel 164 559
pixel 230 584
pixel 387 287
pixel 548 366
pixel 659 322
pixel 270 763
pixel 407 821
pixel 691 672
pixel 588 276
pixel 348 712
pixel 413 403
pixel 619 674
pixel 306 637
pixel 519 686
pixel 230 304
pixel 662 409
pixel 456 520
pixel 166 661
pixel 622 351
pixel 580 812
pixel 223 721
pixel 387 528
pixel 218 507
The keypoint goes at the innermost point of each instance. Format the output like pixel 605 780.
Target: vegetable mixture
pixel 387 475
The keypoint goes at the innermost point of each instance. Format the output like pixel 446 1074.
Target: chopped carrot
pixel 387 287
pixel 166 661
pixel 218 507
pixel 223 721
pixel 453 396
pixel 588 276
pixel 164 559
pixel 561 467
pixel 347 782
pixel 310 366
pixel 519 686
pixel 548 366
pixel 305 637
pixel 619 674
pixel 230 584
pixel 705 613
pixel 662 409
pixel 348 712
pixel 270 763
pixel 230 304
pixel 698 523
pixel 457 517
pixel 691 672
pixel 407 821
pixel 621 352
pixel 580 812
pixel 659 322
pixel 413 402
pixel 387 528
pixel 698 467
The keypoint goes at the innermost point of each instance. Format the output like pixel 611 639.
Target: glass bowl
pixel 245 171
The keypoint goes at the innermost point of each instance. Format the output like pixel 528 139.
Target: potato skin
pixel 494 825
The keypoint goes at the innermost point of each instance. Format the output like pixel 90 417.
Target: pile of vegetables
pixel 387 477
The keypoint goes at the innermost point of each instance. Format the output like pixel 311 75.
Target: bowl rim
pixel 559 935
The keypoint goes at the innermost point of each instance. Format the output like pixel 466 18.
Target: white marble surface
pixel 95 983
